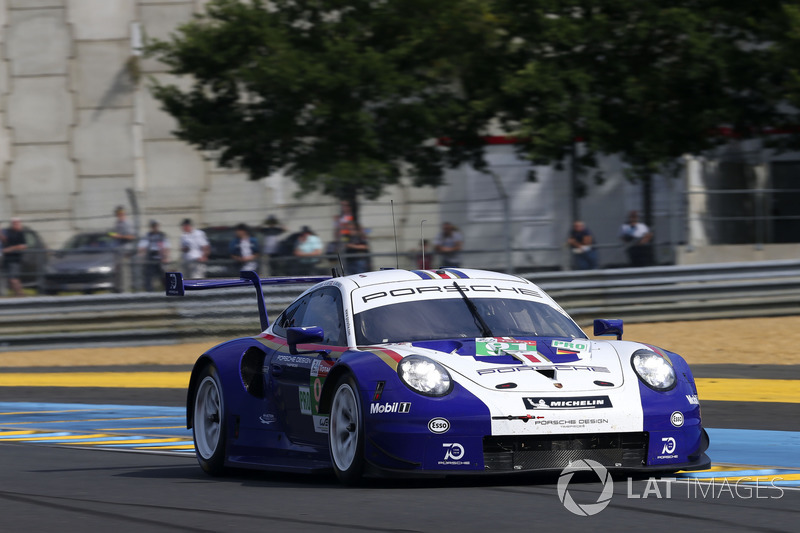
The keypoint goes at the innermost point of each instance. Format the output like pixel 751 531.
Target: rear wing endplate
pixel 177 286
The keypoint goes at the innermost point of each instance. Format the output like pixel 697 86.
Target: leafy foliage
pixel 345 96
pixel 348 96
pixel 650 81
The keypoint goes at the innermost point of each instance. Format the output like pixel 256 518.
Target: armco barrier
pixel 768 288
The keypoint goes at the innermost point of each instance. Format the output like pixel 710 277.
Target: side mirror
pixel 608 326
pixel 304 335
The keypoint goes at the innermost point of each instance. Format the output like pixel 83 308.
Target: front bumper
pixel 618 453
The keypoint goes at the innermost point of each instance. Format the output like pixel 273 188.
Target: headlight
pixel 105 269
pixel 425 376
pixel 654 371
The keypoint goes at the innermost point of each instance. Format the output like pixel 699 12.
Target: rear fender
pixel 236 362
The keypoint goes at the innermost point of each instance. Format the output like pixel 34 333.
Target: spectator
pixel 123 232
pixel 423 256
pixel 154 248
pixel 307 250
pixel 448 245
pixel 195 248
pixel 244 249
pixel 124 237
pixel 355 248
pixel 638 241
pixel 341 225
pixel 272 243
pixel 581 242
pixel 13 248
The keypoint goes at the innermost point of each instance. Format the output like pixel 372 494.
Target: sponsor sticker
pixel 453 454
pixel 305 400
pixel 502 345
pixel 320 368
pixel 292 360
pixel 570 347
pixel 524 368
pixel 676 419
pixel 668 448
pixel 571 423
pixel 578 402
pixel 692 399
pixel 318 372
pixel 439 425
pixel 321 423
pixel 389 407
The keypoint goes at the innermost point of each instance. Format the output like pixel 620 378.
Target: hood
pixel 526 365
pixel 77 261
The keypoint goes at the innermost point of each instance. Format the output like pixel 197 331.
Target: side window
pixel 291 317
pixel 325 310
pixel 321 308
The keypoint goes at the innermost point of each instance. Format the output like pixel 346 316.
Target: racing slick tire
pixel 346 432
pixel 208 422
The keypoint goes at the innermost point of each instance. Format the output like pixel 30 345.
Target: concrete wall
pixel 77 130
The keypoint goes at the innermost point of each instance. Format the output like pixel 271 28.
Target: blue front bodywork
pixel 275 411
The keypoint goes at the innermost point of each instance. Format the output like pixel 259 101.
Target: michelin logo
pixel 580 402
pixel 395 407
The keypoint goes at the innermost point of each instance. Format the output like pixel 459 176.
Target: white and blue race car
pixel 449 371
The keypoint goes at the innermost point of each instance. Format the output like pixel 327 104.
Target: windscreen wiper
pixel 479 321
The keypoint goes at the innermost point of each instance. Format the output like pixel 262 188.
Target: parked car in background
pixel 88 262
pixel 220 263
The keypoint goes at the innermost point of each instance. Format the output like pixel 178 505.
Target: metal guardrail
pixel 730 290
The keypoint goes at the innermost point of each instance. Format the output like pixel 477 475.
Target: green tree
pixel 344 96
pixel 784 40
pixel 649 81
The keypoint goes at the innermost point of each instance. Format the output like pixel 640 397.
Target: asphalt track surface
pixel 105 458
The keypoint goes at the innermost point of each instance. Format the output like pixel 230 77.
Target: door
pixel 297 379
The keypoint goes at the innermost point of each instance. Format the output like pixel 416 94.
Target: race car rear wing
pixel 177 286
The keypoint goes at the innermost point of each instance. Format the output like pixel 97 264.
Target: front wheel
pixel 208 423
pixel 346 432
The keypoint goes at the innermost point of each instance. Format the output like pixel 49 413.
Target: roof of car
pixel 397 275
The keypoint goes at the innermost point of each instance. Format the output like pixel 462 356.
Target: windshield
pixel 451 318
pixel 90 241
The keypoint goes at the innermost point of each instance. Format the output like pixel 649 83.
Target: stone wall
pixel 79 128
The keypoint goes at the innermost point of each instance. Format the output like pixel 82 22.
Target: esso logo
pixel 676 419
pixel 438 425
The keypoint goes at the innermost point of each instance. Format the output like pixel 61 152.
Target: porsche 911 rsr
pixel 436 372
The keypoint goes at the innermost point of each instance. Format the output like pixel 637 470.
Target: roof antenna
pixel 394 227
pixel 422 243
pixel 341 265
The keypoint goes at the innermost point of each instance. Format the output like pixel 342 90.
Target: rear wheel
pixel 208 422
pixel 346 432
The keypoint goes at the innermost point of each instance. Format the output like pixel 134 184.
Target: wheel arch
pixel 199 365
pixel 326 397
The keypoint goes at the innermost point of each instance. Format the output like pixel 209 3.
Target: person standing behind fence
pixel 307 250
pixel 448 245
pixel 154 247
pixel 12 255
pixel 355 249
pixel 272 231
pixel 195 248
pixel 124 237
pixel 581 242
pixel 122 233
pixel 244 249
pixel 638 241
